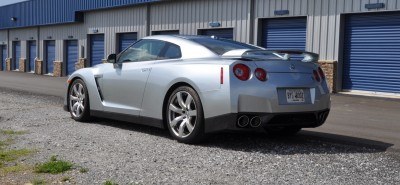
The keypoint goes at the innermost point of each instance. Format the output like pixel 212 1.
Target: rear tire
pixel 184 115
pixel 282 131
pixel 78 101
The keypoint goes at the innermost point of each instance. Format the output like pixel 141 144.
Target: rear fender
pixel 203 78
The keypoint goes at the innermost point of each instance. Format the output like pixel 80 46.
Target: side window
pixel 172 51
pixel 144 50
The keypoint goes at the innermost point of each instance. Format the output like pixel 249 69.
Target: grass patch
pixel 6 142
pixel 12 155
pixel 12 132
pixel 8 157
pixel 54 166
pixel 83 170
pixel 38 182
pixel 14 169
pixel 110 183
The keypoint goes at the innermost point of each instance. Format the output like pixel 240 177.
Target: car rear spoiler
pixel 260 54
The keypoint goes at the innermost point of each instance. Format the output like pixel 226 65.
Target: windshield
pixel 221 46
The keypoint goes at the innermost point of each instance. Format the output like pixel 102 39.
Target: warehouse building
pixel 358 40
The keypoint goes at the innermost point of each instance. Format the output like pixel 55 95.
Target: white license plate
pixel 295 95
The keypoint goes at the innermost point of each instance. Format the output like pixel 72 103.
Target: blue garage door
pixel 3 50
pixel 32 55
pixel 72 55
pixel 125 40
pixel 287 33
pixel 96 49
pixel 16 55
pixel 50 55
pixel 225 33
pixel 166 32
pixel 371 60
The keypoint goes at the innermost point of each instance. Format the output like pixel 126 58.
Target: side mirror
pixel 112 58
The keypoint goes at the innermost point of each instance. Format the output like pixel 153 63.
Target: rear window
pixel 221 46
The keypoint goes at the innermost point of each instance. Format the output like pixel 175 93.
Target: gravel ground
pixel 127 153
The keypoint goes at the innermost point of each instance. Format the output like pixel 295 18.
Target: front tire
pixel 78 101
pixel 184 115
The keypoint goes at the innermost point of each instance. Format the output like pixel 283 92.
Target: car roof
pixel 189 48
pixel 192 36
pixel 186 37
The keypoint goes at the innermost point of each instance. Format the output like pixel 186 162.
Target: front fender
pixel 87 75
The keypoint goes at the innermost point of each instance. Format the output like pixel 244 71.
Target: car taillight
pixel 261 74
pixel 316 76
pixel 241 71
pixel 321 73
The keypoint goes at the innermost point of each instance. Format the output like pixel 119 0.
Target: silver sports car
pixel 195 85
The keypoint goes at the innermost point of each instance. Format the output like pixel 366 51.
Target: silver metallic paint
pixel 144 92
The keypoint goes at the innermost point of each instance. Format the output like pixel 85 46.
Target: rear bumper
pixel 295 119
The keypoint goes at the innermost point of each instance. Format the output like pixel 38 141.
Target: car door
pixel 123 84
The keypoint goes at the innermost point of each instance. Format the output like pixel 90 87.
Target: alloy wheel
pixel 182 114
pixel 77 98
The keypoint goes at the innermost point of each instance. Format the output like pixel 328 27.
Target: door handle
pixel 98 76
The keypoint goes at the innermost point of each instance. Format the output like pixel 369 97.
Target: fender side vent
pixel 98 88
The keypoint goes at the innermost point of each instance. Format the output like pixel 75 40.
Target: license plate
pixel 295 95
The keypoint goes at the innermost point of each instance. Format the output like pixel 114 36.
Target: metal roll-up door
pixel 50 55
pixel 285 33
pixel 166 32
pixel 3 56
pixel 72 55
pixel 32 55
pixel 224 33
pixel 16 55
pixel 125 40
pixel 371 59
pixel 96 49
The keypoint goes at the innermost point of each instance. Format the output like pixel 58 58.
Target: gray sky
pixel 6 2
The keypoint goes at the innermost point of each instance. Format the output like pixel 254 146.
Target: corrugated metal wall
pixel 110 22
pixel 60 33
pixel 323 19
pixel 189 16
pixel 115 21
pixel 22 35
pixel 44 12
pixel 3 37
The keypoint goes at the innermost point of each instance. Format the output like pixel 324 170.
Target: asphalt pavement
pixel 358 120
pixel 41 84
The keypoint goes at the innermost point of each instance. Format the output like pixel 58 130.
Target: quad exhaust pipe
pixel 255 122
pixel 244 120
